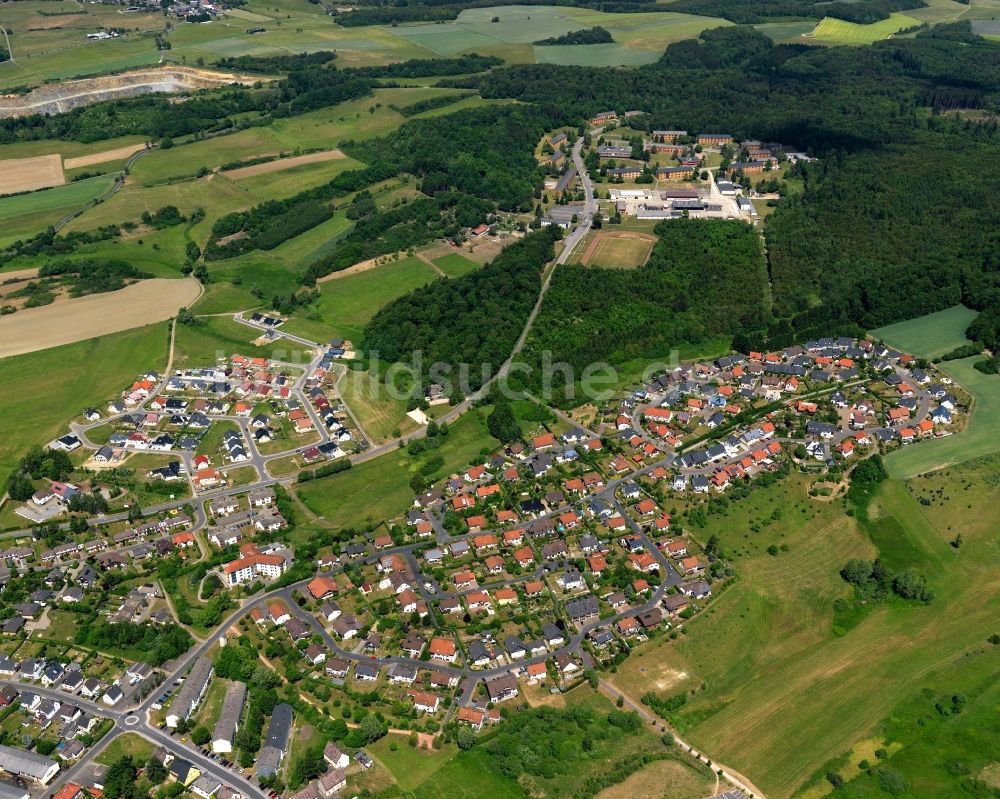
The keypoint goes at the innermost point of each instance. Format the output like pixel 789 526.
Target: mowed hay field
pixel 659 779
pixel 929 336
pixel 42 390
pixel 64 322
pixel 838 31
pixel 773 683
pixel 28 174
pixel 618 249
pixel 26 214
pixel 455 265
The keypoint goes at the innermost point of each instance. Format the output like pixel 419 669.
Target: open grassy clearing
pixel 42 390
pixel 949 10
pixel 133 199
pixel 380 489
pixel 137 747
pixel 381 415
pixel 838 31
pixel 468 777
pixel 786 31
pixel 662 778
pixel 408 765
pixel 595 55
pixel 26 214
pixel 929 336
pixel 639 38
pixel 941 753
pixel 158 252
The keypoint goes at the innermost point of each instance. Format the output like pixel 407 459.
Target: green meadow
pixel 981 437
pixel 54 45
pixel 455 265
pixel 22 215
pixel 929 336
pixel 379 489
pixel 838 31
pixel 347 303
pixel 639 38
pixel 42 390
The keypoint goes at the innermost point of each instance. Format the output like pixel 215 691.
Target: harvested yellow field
pixel 103 157
pixel 28 174
pixel 282 164
pixel 82 318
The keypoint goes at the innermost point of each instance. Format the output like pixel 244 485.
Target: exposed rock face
pixel 57 98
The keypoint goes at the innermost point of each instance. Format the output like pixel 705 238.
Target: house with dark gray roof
pixel 229 718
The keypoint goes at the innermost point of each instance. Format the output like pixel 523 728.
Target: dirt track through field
pixel 282 164
pixel 117 154
pixel 28 174
pixel 77 319
pixel 361 266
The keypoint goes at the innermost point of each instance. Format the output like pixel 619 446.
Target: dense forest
pixel 474 319
pixel 276 64
pixel 429 67
pixel 704 279
pixel 595 35
pixel 485 152
pixel 889 225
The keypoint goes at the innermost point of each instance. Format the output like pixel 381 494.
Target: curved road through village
pixel 137 719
